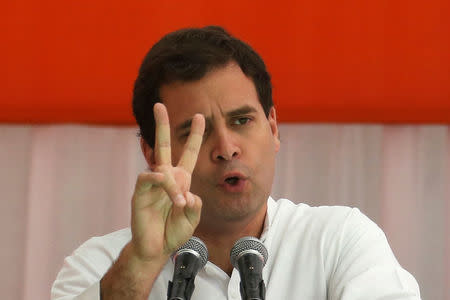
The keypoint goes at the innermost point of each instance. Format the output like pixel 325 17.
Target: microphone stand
pixel 187 283
pixel 182 285
pixel 252 285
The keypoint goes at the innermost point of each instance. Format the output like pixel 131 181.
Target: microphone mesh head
pixel 245 244
pixel 196 244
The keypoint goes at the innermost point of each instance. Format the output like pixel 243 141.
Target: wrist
pixel 143 266
pixel 131 277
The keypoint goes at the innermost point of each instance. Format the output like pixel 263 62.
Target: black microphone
pixel 248 256
pixel 188 260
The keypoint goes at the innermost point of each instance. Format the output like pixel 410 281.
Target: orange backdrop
pixel 331 61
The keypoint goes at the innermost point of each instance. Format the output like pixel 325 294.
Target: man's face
pixel 235 167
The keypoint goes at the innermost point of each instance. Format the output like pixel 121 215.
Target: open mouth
pixel 236 183
pixel 232 180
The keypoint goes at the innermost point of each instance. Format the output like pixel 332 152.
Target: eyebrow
pixel 232 113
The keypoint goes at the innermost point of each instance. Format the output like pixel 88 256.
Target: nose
pixel 225 146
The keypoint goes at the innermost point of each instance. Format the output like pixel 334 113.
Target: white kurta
pixel 315 253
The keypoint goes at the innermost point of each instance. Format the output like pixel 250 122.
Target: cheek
pixel 265 144
pixel 201 169
pixel 200 184
pixel 176 152
pixel 264 156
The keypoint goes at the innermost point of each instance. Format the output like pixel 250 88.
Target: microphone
pixel 249 256
pixel 188 260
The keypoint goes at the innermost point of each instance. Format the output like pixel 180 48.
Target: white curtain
pixel 60 185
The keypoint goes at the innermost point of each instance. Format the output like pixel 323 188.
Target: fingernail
pixel 179 199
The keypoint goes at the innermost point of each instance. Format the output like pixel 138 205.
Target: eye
pixel 241 121
pixel 184 136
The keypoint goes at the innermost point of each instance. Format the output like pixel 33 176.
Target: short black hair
pixel 187 55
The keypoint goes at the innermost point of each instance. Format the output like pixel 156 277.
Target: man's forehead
pixel 222 92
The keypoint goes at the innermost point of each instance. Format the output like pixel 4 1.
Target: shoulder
pixel 284 210
pixel 105 247
pixel 110 240
pixel 88 263
pixel 322 225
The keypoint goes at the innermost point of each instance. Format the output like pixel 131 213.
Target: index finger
pixel 194 142
pixel 162 135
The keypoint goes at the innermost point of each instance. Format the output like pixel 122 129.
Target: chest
pixel 287 275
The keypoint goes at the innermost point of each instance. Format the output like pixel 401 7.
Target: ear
pixel 274 128
pixel 148 153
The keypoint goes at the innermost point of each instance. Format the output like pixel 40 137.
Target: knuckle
pixel 160 169
pixel 142 177
pixel 170 183
pixel 164 144
pixel 193 148
pixel 196 138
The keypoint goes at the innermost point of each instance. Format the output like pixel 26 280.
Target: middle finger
pixel 192 147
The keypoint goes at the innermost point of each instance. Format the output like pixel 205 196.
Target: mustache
pixel 233 166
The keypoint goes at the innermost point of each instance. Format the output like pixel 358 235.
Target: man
pixel 212 169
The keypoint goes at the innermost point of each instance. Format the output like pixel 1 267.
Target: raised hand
pixel 164 212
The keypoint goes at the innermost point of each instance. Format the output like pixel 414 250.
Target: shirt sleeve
pixel 79 278
pixel 366 267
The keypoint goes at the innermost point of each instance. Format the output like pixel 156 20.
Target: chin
pixel 235 215
pixel 238 209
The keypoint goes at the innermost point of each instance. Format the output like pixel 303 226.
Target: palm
pixel 159 223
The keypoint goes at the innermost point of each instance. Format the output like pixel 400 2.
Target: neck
pixel 220 237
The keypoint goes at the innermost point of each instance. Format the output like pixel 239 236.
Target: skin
pixel 164 215
pixel 189 164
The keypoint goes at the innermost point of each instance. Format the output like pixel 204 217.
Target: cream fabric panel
pixel 63 184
